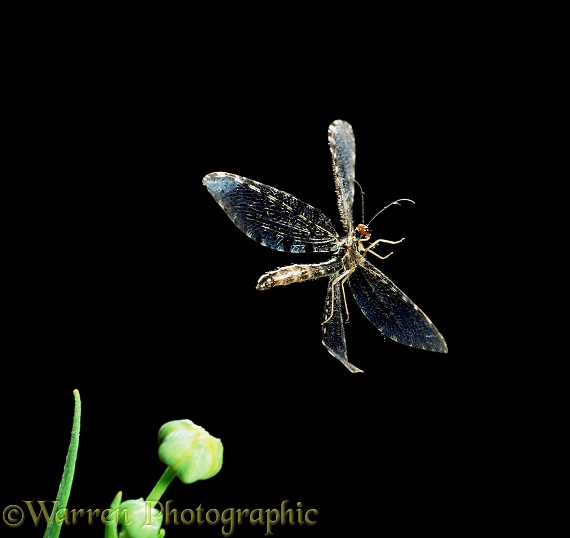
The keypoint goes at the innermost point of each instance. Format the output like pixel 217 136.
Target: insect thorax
pixel 353 240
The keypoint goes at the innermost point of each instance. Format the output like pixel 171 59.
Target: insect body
pixel 280 221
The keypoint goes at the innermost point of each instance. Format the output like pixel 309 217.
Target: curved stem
pixel 158 490
pixel 54 525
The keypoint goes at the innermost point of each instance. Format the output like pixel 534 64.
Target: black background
pixel 122 277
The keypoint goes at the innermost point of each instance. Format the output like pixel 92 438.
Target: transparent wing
pixel 391 311
pixel 333 326
pixel 272 217
pixel 343 152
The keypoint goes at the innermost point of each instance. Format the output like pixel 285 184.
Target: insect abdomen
pixel 298 273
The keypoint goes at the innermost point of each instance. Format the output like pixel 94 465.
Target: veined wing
pixel 343 152
pixel 333 326
pixel 391 311
pixel 272 217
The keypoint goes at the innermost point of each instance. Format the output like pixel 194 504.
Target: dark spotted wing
pixel 391 311
pixel 272 217
pixel 343 151
pixel 333 325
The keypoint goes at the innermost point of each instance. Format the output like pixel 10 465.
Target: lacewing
pixel 280 221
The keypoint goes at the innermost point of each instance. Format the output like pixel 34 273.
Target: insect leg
pixel 342 278
pixel 370 248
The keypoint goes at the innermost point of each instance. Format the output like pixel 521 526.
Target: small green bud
pixel 191 452
pixel 139 520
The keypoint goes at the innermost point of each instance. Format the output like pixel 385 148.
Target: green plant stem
pixel 113 519
pixel 158 490
pixel 54 526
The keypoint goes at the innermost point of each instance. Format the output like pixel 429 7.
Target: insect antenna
pixel 361 199
pixel 395 202
pixel 365 232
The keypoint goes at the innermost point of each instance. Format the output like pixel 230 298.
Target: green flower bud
pixel 191 452
pixel 139 520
